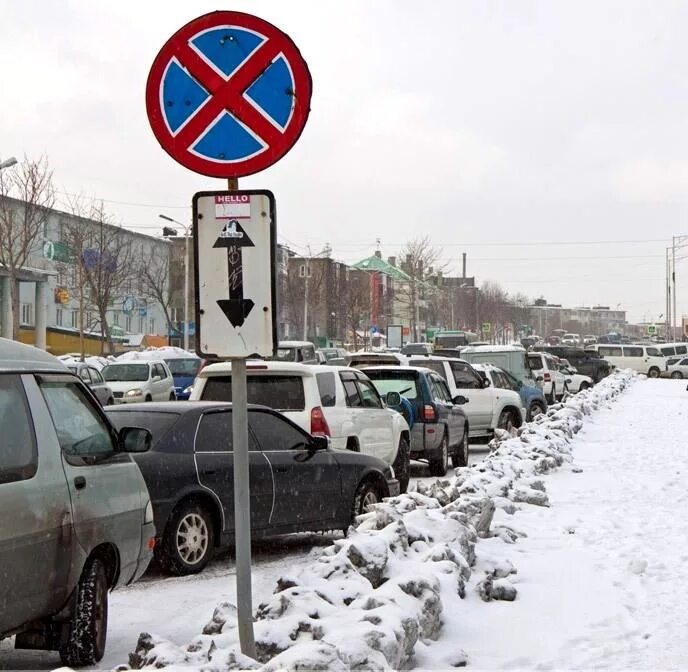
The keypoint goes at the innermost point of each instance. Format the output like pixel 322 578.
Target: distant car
pixel 416 349
pixel 546 371
pixel 571 339
pixel 589 339
pixel 92 377
pixel 646 359
pixel 336 356
pixel 531 395
pixel 487 408
pixel 439 427
pixel 587 362
pixel 358 360
pixel 334 401
pixel 302 352
pixel 298 483
pixel 678 369
pixel 140 381
pixel 575 381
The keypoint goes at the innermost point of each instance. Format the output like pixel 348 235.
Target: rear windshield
pixel 327 389
pixel 395 381
pixel 283 393
pixel 187 366
pixel 535 362
pixel 156 423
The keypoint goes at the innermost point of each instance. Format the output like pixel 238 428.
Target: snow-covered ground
pixel 600 575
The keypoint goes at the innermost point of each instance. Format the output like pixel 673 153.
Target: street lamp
pixel 7 163
pixel 166 231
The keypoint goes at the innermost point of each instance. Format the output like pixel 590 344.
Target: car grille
pixel 118 395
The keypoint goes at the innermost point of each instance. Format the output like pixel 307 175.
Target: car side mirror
pixel 319 443
pixel 135 439
pixel 393 399
pixel 486 382
pixel 539 379
pixel 460 400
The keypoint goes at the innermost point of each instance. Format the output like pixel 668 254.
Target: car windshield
pixel 115 373
pixel 535 362
pixel 187 366
pixel 283 393
pixel 156 423
pixel 401 381
pixel 434 364
pixel 286 354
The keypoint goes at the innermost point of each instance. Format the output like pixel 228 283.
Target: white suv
pixel 488 407
pixel 546 372
pixel 139 381
pixel 335 401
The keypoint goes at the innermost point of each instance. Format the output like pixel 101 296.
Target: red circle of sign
pixel 302 95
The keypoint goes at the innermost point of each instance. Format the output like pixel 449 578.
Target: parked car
pixel 360 359
pixel 645 359
pixel 140 381
pixel 571 339
pixel 296 351
pixel 576 381
pixel 76 517
pixel 416 349
pixel 511 358
pixel 587 362
pixel 439 427
pixel 589 339
pixel 334 356
pixel 678 369
pixel 334 401
pixel 488 407
pixel 92 377
pixel 547 374
pixel 673 349
pixel 297 482
pixel 532 397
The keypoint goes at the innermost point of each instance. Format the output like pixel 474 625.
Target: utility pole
pixel 306 275
pixel 667 294
pixel 673 282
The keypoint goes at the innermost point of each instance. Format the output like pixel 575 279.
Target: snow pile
pixel 366 601
pixel 164 352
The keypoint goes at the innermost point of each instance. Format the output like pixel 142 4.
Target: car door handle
pixel 79 482
pixel 208 472
pixel 281 470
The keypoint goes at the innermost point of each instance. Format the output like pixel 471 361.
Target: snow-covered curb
pixel 367 600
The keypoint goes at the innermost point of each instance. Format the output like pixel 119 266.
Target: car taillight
pixel 547 377
pixel 319 426
pixel 429 414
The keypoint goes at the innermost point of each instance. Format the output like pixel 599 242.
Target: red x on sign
pixel 228 95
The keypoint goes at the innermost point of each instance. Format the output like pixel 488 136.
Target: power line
pixel 136 205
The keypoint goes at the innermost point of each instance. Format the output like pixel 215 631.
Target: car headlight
pixel 148 515
pixel 188 390
pixel 135 393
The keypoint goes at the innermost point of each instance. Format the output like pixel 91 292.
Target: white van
pixel 645 359
pixel 673 349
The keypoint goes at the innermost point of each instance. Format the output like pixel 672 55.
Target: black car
pixel 297 483
pixel 587 362
pixel 439 428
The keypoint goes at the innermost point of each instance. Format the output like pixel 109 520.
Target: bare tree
pixel 354 302
pixel 154 274
pixel 26 198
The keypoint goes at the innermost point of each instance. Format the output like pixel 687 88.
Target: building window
pixel 58 317
pixel 115 317
pixel 142 321
pixel 75 319
pixel 127 323
pixel 27 313
pixel 151 325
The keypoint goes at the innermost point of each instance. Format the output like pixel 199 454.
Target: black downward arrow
pixel 236 307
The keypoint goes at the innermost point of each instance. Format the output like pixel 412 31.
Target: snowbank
pixel 163 352
pixel 366 601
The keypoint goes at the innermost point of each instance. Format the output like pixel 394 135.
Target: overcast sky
pixel 499 128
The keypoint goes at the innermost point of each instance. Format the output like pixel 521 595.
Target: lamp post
pixel 7 163
pixel 186 275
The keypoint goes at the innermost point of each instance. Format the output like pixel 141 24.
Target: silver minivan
pixel 76 515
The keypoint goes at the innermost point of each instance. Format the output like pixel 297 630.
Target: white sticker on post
pixel 234 206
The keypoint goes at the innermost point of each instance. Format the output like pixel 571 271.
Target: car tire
pixel 438 465
pixel 367 495
pixel 583 386
pixel 402 464
pixel 676 374
pixel 536 408
pixel 653 372
pixel 148 398
pixel 460 457
pixel 193 524
pixel 506 421
pixel 552 398
pixel 173 396
pixel 85 643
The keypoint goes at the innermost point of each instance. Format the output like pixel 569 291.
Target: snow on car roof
pixel 253 365
pixel 164 352
pixel 493 348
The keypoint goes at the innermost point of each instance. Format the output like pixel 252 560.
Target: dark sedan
pixel 297 482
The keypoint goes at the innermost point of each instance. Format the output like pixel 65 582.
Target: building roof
pixel 379 265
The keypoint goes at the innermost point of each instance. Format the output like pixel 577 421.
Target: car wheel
pixel 583 386
pixel 438 465
pixel 365 498
pixel 653 372
pixel 506 421
pixel 85 643
pixel 149 398
pixel 460 457
pixel 676 374
pixel 402 464
pixel 535 409
pixel 187 545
